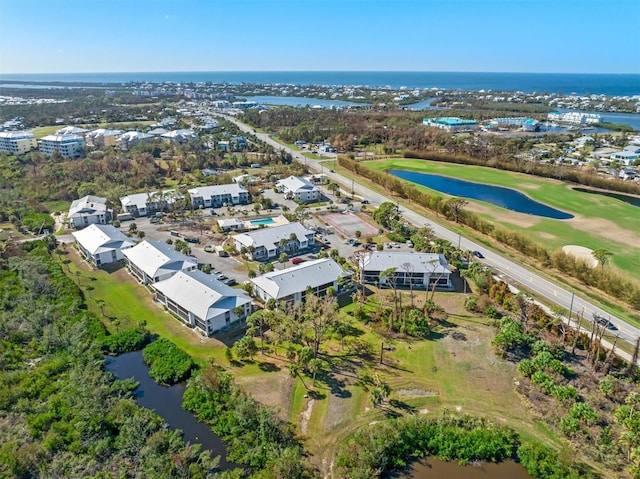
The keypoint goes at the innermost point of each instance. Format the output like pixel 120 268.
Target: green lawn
pixel 600 220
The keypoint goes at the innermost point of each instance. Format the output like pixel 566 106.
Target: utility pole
pixel 381 351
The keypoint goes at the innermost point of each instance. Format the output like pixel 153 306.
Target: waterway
pixel 167 403
pixel 503 197
pixel 432 468
pixel 301 102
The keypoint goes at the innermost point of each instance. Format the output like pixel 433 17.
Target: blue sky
pixel 61 36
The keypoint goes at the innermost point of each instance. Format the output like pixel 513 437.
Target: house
pixel 218 195
pixel 627 156
pixel 89 210
pixel 420 269
pixel 231 224
pixel 17 142
pixel 68 146
pixel 298 189
pixel 102 244
pixel 202 301
pixel 266 243
pixel 450 123
pixel 289 286
pixel 153 261
pixel 143 204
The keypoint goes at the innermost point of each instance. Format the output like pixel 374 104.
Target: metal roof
pixel 201 293
pixel 100 238
pixel 282 283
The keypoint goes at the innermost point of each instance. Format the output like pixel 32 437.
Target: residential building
pixel 218 195
pixel 527 124
pixel 17 142
pixel 71 130
pixel 450 123
pixel 154 261
pixel 289 286
pixel 266 243
pixel 102 244
pixel 69 146
pixel 180 136
pixel 298 189
pixel 202 301
pixel 88 210
pixel 574 118
pixel 420 269
pixel 130 139
pixel 627 156
pixel 143 204
pixel 103 137
pixel 231 224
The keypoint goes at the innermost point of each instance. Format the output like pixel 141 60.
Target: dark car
pixel 365 202
pixel 478 254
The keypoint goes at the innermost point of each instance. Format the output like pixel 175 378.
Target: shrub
pixel 167 363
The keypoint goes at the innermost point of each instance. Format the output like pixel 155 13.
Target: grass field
pixel 455 369
pixel 600 222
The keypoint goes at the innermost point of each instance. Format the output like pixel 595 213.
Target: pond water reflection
pixel 167 403
pixel 496 195
pixel 432 468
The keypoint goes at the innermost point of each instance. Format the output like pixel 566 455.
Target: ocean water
pixel 566 83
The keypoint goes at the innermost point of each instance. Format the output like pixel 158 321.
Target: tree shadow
pixel 403 406
pixel 268 367
pixel 336 386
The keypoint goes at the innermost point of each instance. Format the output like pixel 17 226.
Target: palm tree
pixel 602 256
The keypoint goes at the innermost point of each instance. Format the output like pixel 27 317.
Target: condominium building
pixel 69 146
pixel 17 142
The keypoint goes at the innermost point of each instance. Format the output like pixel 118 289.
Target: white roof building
pixel 153 261
pixel 102 244
pixel 88 210
pixel 202 301
pixel 143 204
pixel 218 195
pixel 69 146
pixel 180 136
pixel 290 285
pixel 103 137
pixel 419 269
pixel 265 243
pixel 71 130
pixel 17 142
pixel 130 139
pixel 231 224
pixel 299 189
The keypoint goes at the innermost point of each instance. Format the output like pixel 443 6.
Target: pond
pixel 632 200
pixel 432 468
pixel 167 403
pixel 496 195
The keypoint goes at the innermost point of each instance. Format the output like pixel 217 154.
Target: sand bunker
pixel 582 253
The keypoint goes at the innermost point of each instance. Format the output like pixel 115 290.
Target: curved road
pixel 507 269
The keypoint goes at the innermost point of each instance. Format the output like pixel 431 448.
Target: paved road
pixel 507 269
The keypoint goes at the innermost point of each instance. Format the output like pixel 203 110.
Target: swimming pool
pixel 263 221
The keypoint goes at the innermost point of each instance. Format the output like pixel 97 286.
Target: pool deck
pixel 276 221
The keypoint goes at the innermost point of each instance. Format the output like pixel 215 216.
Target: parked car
pixel 192 240
pixel 297 260
pixel 213 212
pixel 365 202
pixel 209 248
pixel 410 243
pixel 478 254
pixel 221 277
pixel 231 282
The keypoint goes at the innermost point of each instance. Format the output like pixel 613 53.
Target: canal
pixel 499 196
pixel 167 403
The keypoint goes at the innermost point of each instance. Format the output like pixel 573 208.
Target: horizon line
pixel 318 71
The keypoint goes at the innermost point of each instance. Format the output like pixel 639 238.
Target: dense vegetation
pixel 609 281
pixel 581 389
pixel 252 432
pixel 167 363
pixel 61 415
pixel 385 447
pixel 125 341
